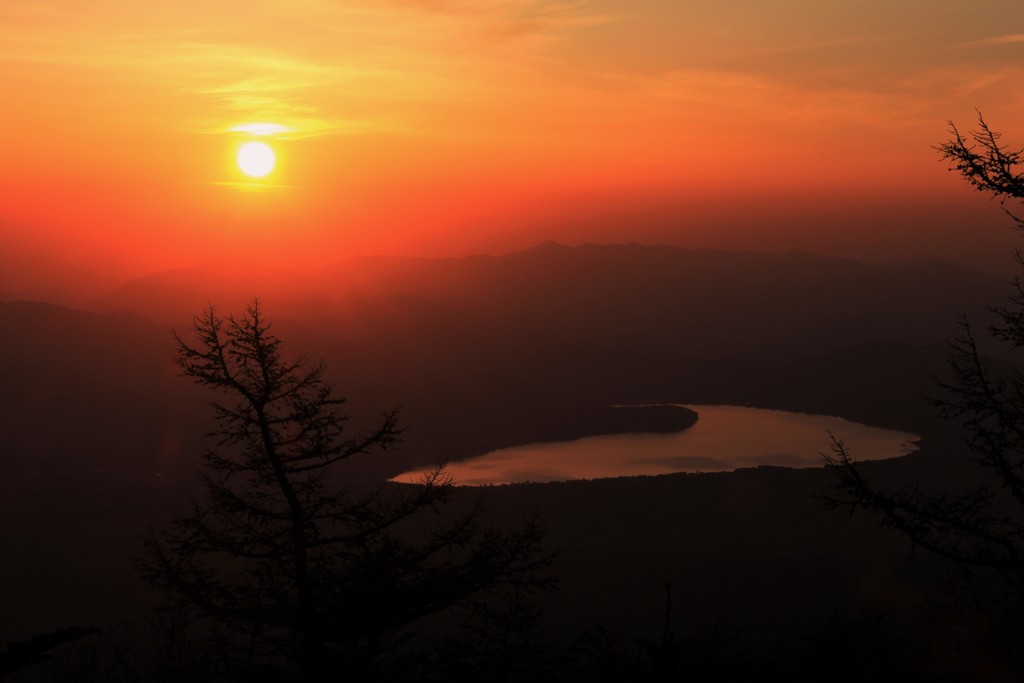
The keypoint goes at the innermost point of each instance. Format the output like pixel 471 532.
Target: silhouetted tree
pixel 980 529
pixel 987 164
pixel 293 560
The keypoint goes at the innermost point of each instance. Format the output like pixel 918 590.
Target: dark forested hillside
pixel 488 351
pixel 100 435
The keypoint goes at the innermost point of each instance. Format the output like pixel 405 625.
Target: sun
pixel 256 159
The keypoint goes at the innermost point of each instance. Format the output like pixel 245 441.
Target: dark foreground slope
pixel 766 584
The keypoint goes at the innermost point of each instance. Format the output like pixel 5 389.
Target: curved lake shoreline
pixel 591 421
pixel 722 438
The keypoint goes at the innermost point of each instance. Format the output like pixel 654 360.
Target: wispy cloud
pixel 1010 39
pixel 359 65
pixel 823 45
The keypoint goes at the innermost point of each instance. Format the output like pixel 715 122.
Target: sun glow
pixel 256 159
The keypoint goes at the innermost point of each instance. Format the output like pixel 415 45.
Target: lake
pixel 724 438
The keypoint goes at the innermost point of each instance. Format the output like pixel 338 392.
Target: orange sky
pixel 448 126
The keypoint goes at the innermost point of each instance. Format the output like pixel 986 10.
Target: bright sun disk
pixel 256 159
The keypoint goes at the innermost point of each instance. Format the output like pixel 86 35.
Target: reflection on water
pixel 724 438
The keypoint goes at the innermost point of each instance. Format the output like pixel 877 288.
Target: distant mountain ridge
pixel 784 300
pixel 485 351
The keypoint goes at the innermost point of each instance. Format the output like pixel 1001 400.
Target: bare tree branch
pixel 277 551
